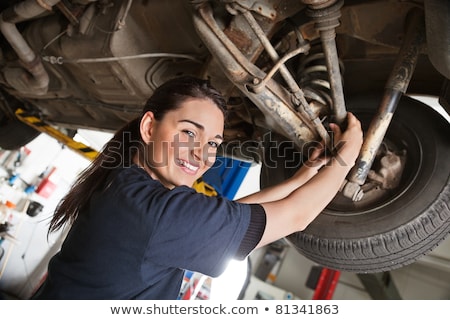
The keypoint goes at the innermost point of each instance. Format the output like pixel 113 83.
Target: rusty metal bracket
pixel 260 7
pixel 297 92
pixel 274 101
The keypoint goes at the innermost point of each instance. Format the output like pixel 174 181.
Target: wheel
pixel 391 227
pixel 14 133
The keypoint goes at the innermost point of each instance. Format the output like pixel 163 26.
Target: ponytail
pixel 127 142
pixel 118 152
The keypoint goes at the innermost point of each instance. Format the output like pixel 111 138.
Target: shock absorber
pixel 326 14
pixel 395 87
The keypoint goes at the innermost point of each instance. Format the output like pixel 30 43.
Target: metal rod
pixel 292 84
pixel 287 76
pixel 261 85
pixel 334 74
pixel 326 16
pixel 37 80
pixel 395 87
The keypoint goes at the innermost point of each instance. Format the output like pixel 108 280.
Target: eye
pixel 213 144
pixel 189 133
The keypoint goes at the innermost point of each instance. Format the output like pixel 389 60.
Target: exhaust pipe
pixel 32 79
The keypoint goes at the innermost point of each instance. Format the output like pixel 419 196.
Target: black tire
pixel 14 133
pixel 405 224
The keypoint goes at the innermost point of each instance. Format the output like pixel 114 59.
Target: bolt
pixel 352 190
pixel 358 195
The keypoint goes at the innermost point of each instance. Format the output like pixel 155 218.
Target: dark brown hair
pixel 123 146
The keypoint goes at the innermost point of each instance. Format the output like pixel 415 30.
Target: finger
pixel 337 132
pixel 318 150
pixel 335 128
pixel 353 120
pixel 319 162
pixel 315 154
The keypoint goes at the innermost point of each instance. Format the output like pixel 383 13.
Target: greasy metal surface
pixel 380 23
pixel 106 94
pixel 409 53
pixel 274 101
pixel 395 87
pixel 296 91
pixel 145 48
pixel 326 20
pixel 437 20
pixel 390 171
pixel 319 4
pixel 32 78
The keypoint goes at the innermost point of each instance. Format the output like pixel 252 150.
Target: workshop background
pixel 34 178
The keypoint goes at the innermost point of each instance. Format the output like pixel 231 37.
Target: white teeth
pixel 188 165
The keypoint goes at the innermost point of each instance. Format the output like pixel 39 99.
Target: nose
pixel 202 153
pixel 197 153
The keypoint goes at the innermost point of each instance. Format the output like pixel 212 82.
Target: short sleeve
pixel 254 232
pixel 201 233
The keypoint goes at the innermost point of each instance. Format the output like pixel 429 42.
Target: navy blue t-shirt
pixel 136 238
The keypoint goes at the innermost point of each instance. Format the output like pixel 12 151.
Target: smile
pixel 186 165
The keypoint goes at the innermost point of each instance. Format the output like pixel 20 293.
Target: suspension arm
pixel 396 86
pixel 274 101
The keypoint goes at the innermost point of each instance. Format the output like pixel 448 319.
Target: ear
pixel 147 122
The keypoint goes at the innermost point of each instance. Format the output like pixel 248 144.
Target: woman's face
pixel 183 145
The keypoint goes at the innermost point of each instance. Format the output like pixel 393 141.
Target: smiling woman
pixel 136 223
pixel 180 148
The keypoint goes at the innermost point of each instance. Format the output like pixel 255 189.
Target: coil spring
pixel 312 77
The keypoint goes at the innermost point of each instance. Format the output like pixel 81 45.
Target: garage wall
pixel 24 262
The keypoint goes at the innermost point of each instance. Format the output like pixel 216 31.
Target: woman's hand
pixel 348 143
pixel 300 207
pixel 318 157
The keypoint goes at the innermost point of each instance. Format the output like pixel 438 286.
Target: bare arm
pixel 300 207
pixel 277 192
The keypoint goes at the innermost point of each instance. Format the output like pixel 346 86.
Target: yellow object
pixel 202 187
pixel 37 124
pixel 86 151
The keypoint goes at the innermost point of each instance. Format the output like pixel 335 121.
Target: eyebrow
pixel 199 126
